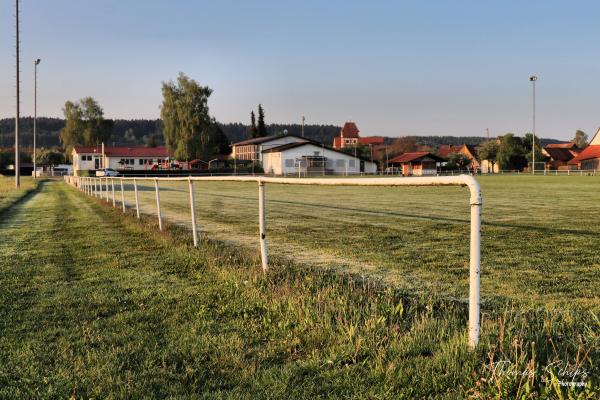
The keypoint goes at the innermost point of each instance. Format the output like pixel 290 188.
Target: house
pixel 560 154
pixel 588 158
pixel 349 137
pixel 91 158
pixel 418 163
pixel 306 158
pixel 469 151
pixel 252 149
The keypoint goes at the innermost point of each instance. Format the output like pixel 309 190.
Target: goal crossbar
pixel 94 186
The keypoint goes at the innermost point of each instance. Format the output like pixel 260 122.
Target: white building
pixel 310 158
pixel 252 149
pixel 91 158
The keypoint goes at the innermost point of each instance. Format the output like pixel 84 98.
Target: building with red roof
pixel 349 136
pixel 91 158
pixel 467 150
pixel 588 158
pixel 560 154
pixel 418 163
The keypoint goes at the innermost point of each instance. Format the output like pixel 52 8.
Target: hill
pixel 144 132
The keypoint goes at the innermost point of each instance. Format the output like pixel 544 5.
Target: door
pixel 97 163
pixel 362 165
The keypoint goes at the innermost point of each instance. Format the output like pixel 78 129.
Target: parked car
pixel 106 172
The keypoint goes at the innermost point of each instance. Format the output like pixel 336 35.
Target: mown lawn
pixel 540 235
pixel 95 304
pixel 9 194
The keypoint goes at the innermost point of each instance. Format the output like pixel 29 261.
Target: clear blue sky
pixel 396 68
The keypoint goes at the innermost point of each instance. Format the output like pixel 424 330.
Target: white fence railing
pixel 99 187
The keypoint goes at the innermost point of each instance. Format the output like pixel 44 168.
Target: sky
pixel 394 67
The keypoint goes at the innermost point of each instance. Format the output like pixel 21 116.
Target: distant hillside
pixel 143 131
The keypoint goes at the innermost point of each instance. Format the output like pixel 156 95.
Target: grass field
pixel 9 194
pixel 539 242
pixel 101 305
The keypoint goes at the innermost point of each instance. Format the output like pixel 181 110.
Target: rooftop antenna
pixel 17 160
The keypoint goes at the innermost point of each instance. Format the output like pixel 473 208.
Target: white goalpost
pixel 475 202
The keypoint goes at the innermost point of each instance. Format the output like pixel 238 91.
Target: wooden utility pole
pixel 17 160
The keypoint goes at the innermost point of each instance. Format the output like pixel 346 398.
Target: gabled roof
pixel 560 153
pixel 349 130
pixel 588 153
pixel 373 140
pixel 288 146
pixel 264 139
pixel 416 156
pixel 124 151
pixel 448 149
pixel 568 145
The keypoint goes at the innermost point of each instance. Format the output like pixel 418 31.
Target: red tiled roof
pixel 416 156
pixel 568 145
pixel 588 153
pixel 374 140
pixel 124 151
pixel 559 153
pixel 448 149
pixel 349 130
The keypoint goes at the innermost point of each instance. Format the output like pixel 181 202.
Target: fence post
pixel 96 187
pixel 123 195
pixel 262 225
pixel 112 182
pixel 475 263
pixel 137 202
pixel 193 210
pixel 160 223
pixel 107 195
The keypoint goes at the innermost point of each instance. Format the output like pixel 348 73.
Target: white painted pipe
pixel 137 200
pixel 123 196
pixel 107 194
pixel 193 212
pixel 112 181
pixel 460 180
pixel 160 222
pixel 262 222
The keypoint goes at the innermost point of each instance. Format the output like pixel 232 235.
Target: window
pixel 340 163
pixel 289 163
pixel 141 161
pixel 352 163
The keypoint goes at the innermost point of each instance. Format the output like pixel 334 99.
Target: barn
pixel 419 163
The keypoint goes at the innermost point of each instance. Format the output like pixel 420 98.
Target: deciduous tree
pixel 580 139
pixel 189 130
pixel 85 123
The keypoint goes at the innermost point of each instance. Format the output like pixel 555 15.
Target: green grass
pixel 9 194
pixel 539 241
pixel 97 304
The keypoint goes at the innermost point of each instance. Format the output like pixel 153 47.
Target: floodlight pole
pixel 35 65
pixel 17 159
pixel 532 79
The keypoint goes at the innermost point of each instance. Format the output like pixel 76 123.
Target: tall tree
pixel 488 151
pixel 253 131
pixel 189 130
pixel 511 153
pixel 85 123
pixel 580 139
pixel 527 145
pixel 262 128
